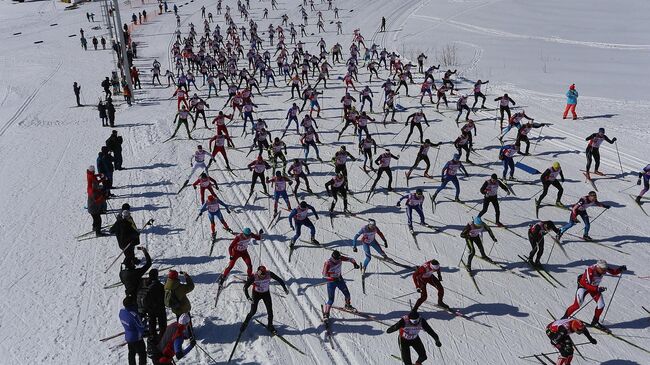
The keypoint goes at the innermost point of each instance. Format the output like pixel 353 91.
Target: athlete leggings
pixel 537 245
pixel 571 223
pixel 423 292
pixel 508 163
pixel 247 259
pixel 405 350
pixel 424 158
pixel 545 186
pixel 268 303
pixel 413 126
pixel 380 171
pixel 471 241
pixel 486 202
pixel 366 250
pixel 595 153
pixel 445 180
pixel 409 214
pixel 307 223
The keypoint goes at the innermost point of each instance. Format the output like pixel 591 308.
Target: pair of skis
pixel 541 271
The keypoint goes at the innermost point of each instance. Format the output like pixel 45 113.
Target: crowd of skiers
pixel 216 57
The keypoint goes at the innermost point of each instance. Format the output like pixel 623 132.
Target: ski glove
pixel 638 182
pixel 356 266
pixel 354 249
pixel 601 289
pixel 438 344
pixel 623 268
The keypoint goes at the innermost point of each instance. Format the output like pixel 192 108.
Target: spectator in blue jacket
pixel 133 331
pixel 571 102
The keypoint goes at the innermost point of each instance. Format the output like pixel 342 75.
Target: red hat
pixel 572 87
pixel 173 274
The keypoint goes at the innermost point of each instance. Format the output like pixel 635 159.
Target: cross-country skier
pixel 489 190
pixel 646 183
pixel 414 201
pixel 422 156
pixel 478 93
pixel 181 117
pixel 279 182
pixel 461 104
pixel 367 235
pixel 514 121
pixel 504 107
pixel 299 217
pixel 261 281
pixel 278 150
pixel 365 148
pixel 550 177
pixel 409 328
pixel 332 273
pixel 296 171
pixel 212 206
pixel 472 235
pixel 197 162
pixel 239 249
pixel 593 149
pixel 580 209
pixel 449 172
pixel 383 161
pixel 416 120
pixel 506 155
pixel 559 332
pixel 205 182
pixel 219 141
pixel 536 233
pixel 258 167
pixel 340 159
pixel 522 135
pixel 589 283
pixel 422 276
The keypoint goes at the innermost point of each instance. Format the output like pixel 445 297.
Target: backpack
pixel 171 300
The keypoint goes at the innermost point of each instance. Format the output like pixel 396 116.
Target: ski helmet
pixel 593 194
pixel 427 141
pixel 204 175
pixel 278 173
pixel 456 157
pixel 601 130
pixel 414 315
pixel 342 148
pixel 199 147
pixel 211 198
pixel 419 191
pixel 184 319
pixel 556 165
pixel 478 221
pixel 336 255
pixel 601 264
pixel 247 231
pixel 260 158
pixel 577 325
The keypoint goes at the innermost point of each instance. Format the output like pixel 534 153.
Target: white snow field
pixel 54 307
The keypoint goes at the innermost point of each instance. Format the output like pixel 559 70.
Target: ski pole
pixel 619 157
pixel 463 254
pixel 405 295
pixel 117 257
pixel 538 138
pixel 612 297
pixel 628 188
pixel 206 353
pixel 550 252
pixel 584 305
pixel 599 214
pixel 551 353
pixel 493 243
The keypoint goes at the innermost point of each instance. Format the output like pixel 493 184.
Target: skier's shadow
pixel 619 362
pixel 160 165
pixel 188 260
pixel 625 239
pixel 492 309
pixel 639 323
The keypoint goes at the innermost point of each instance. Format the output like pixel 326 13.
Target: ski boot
pixel 587 238
pixel 457 200
pixel 500 225
pixel 600 326
pixel 314 241
pixel 488 259
pixel 537 201
pixel 222 279
pixel 559 204
pixel 214 236
pixel 349 307
pixel 443 305
pixel 229 230
pixel 292 242
pixel 271 328
pixel 638 200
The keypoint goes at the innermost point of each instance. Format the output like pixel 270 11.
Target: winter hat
pixel 153 274
pixel 91 168
pixel 173 274
pixel 602 264
pixel 129 301
pixel 126 206
pixel 572 87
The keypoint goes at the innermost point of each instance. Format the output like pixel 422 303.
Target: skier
pixel 506 155
pixel 446 80
pixel 504 107
pixel 182 116
pixel 239 248
pixel 413 201
pixel 261 282
pixel 472 235
pixel 295 170
pixel 279 151
pixel 409 328
pixel 589 283
pixel 416 122
pixel 461 104
pixel 258 167
pixel 449 172
pixel 367 235
pixel 366 94
pixel 522 135
pixel 280 190
pixel 134 331
pixel 462 144
pixel 514 121
pixel 171 343
pixel 365 147
pixel 197 163
pixel 536 233
pixel 422 276
pixel 340 159
pixel 213 208
pixel 299 217
pixel 593 149
pixel 176 294
pixel 646 183
pixel 489 191
pixel 571 102
pixel 205 182
pixel 422 156
pixel 334 277
pixel 478 93
pixel 548 178
pixel 580 209
pixel 559 332
pixel 383 162
pixel 219 147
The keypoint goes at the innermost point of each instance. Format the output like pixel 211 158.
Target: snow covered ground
pixel 55 309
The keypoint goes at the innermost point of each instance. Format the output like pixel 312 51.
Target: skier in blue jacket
pixel 133 331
